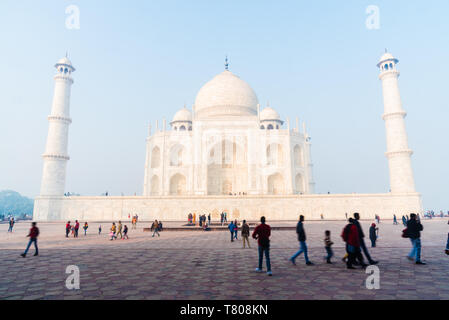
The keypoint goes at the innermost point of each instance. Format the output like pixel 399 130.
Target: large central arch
pixel 227 170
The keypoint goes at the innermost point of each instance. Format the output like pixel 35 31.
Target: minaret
pixel 55 156
pixel 398 152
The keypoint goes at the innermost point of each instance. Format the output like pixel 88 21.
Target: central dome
pixel 226 95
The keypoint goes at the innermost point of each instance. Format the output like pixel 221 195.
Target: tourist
pixel 350 235
pixel 413 231
pixel 194 218
pixel 346 215
pixel 33 234
pixel 302 242
pixel 322 217
pixel 362 241
pixel 208 218
pixel 245 234
pixel 395 220
pixel 373 234
pixel 236 229
pixel 231 229
pixel 221 218
pixel 125 232
pixel 11 224
pixel 155 226
pixel 73 231
pixel 113 230
pixel 404 221
pixel 160 226
pixel 447 243
pixel 119 230
pixel 77 226
pixel 328 246
pixel 225 217
pixel 99 229
pixel 262 234
pixel 85 228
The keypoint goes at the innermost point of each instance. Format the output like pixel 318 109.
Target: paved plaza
pixel 207 265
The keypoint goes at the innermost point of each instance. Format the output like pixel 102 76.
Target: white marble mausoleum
pixel 227 154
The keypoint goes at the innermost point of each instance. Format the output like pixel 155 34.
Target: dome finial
pixel 226 63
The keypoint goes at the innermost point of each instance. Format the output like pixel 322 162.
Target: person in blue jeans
pixel 447 243
pixel 236 229
pixel 414 229
pixel 302 242
pixel 262 234
pixel 231 229
pixel 33 234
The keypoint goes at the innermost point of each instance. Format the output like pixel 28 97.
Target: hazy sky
pixel 139 61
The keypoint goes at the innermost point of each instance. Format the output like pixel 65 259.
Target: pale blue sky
pixel 138 61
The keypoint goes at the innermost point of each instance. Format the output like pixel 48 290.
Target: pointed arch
pixel 155 157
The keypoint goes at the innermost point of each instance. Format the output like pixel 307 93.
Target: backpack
pixel 345 233
pixel 405 233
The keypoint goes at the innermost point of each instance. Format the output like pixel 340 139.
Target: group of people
pixel 353 237
pixel 116 230
pixel 73 229
pixel 203 220
pixel 156 227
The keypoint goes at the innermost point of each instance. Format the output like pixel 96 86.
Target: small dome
pixel 269 114
pixel 387 57
pixel 183 115
pixel 226 95
pixel 65 62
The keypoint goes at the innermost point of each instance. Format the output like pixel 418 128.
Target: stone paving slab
pixel 193 265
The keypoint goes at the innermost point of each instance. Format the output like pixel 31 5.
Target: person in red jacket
pixel 262 233
pixel 34 233
pixel 68 227
pixel 350 235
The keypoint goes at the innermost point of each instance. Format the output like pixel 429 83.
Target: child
pixel 85 228
pixel 113 229
pixel 373 234
pixel 125 232
pixel 328 246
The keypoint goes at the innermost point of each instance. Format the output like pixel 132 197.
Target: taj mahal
pixel 227 153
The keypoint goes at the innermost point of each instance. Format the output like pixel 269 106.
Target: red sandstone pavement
pixel 206 265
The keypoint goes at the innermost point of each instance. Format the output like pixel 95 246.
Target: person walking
pixel 155 226
pixel 33 234
pixel 328 246
pixel 68 227
pixel 208 218
pixel 236 229
pixel 119 230
pixel 11 224
pixel 262 234
pixel 362 241
pixel 225 216
pixel 302 242
pixel 395 220
pixel 351 236
pixel 404 221
pixel 373 234
pixel 245 234
pixel 447 243
pixel 77 226
pixel 85 228
pixel 113 230
pixel 221 218
pixel 231 229
pixel 194 218
pixel 413 231
pixel 125 232
pixel 99 229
